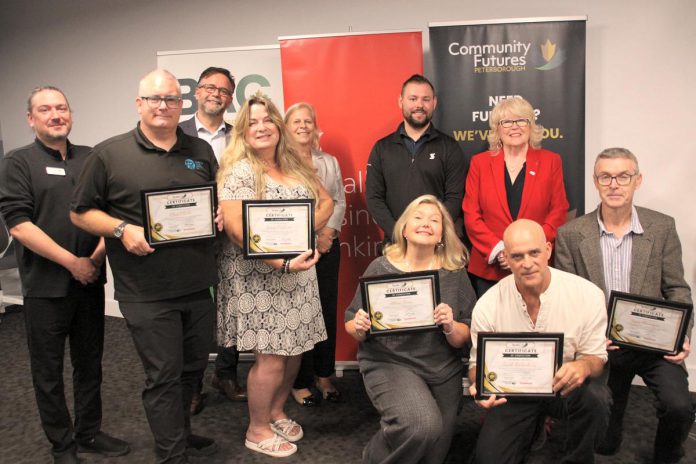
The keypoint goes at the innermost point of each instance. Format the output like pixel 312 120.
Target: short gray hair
pixel 617 153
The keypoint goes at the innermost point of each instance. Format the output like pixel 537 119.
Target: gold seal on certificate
pixel 277 228
pixel 179 214
pixel 401 302
pixel 647 324
pixel 519 364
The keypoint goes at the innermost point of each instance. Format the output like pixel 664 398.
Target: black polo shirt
pixel 112 179
pixel 36 186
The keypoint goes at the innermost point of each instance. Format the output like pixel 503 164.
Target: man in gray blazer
pixel 214 94
pixel 631 249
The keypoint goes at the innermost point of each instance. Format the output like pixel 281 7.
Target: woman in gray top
pixel 415 380
pixel 301 122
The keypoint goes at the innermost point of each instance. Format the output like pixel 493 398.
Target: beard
pixel 418 124
pixel 213 109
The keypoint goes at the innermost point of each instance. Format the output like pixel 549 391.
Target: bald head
pixel 523 227
pixel 155 79
pixel 527 253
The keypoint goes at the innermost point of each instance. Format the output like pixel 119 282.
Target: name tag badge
pixel 55 171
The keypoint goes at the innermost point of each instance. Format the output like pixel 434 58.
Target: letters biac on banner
pixel 354 82
pixel 543 60
pixel 254 68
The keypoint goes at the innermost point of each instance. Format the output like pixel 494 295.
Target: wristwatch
pixel 118 230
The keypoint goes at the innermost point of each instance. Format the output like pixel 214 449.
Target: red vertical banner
pixel 354 82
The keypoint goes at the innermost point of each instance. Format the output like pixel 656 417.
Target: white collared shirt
pixel 218 139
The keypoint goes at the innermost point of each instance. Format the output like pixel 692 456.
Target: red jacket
pixel 486 212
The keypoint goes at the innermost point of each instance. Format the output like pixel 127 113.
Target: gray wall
pixel 640 66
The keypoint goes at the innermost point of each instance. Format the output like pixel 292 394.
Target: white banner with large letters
pixel 253 68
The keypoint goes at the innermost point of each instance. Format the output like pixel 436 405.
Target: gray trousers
pixel 417 417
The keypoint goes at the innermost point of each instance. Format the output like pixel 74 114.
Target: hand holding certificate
pixel 517 364
pixel 647 324
pixel 179 214
pixel 401 302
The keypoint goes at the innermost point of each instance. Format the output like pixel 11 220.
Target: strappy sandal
pixel 283 427
pixel 272 446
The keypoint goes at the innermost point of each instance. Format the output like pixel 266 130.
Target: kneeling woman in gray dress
pixel 414 380
pixel 267 306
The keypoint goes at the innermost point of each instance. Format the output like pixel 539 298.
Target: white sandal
pixel 283 427
pixel 271 446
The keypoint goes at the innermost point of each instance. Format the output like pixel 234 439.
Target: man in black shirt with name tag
pixel 63 276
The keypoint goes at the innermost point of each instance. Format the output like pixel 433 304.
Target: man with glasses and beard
pixel 415 160
pixel 626 248
pixel 214 94
pixel 163 293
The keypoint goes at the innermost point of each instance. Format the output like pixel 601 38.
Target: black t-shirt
pixel 117 170
pixel 36 185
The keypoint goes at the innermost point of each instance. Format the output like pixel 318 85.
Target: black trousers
pixel 226 362
pixel 79 317
pixel 508 430
pixel 669 384
pixel 480 284
pixel 172 338
pixel 321 361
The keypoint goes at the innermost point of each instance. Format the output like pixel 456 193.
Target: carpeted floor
pixel 333 433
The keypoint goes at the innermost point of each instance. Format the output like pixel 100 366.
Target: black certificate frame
pixel 484 387
pixel 250 249
pixel 151 231
pixel 377 329
pixel 613 334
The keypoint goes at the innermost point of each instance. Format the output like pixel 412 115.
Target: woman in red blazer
pixel 515 179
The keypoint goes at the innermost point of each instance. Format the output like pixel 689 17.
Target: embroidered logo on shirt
pixel 432 156
pixel 193 165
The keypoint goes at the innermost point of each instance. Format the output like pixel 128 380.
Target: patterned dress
pixel 259 308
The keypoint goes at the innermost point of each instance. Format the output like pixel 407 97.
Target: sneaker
pixel 200 446
pixel 68 456
pixel 105 445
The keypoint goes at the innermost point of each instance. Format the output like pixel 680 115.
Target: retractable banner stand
pixel 353 81
pixel 253 68
pixel 476 64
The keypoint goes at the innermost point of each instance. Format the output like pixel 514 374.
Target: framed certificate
pixel 517 364
pixel 179 214
pixel 277 228
pixel 398 303
pixel 647 324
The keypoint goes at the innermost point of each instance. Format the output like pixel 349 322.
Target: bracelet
pixel 450 332
pixel 285 267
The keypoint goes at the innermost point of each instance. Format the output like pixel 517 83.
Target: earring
pixel 440 245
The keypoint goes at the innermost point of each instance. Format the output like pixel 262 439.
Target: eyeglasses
pixel 210 88
pixel 622 179
pixel 171 101
pixel 507 123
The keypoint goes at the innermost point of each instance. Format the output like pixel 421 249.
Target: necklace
pixel 407 265
pixel 268 164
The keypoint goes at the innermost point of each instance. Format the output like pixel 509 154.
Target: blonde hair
pixel 517 106
pixel 317 133
pixel 286 154
pixel 451 252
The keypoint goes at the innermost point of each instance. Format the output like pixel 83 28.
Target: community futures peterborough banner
pixel 476 64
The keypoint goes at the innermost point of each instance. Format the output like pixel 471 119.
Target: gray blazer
pixel 657 270
pixel 189 127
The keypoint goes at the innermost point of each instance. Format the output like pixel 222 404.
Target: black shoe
pixel 68 456
pixel 105 445
pixel 200 446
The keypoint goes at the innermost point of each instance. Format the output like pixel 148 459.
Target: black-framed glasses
pixel 622 179
pixel 210 88
pixel 171 101
pixel 508 123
